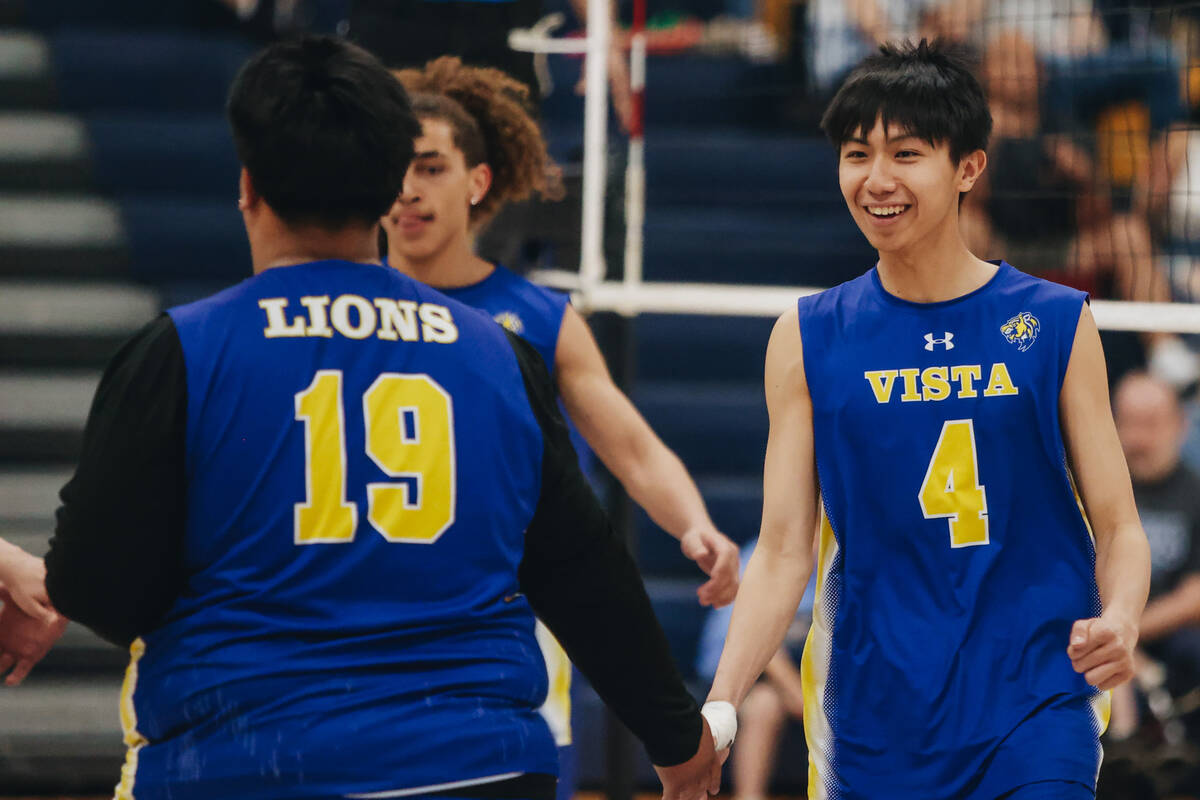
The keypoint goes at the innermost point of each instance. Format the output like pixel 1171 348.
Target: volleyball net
pixel 1090 181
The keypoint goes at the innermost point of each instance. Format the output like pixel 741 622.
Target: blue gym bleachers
pixel 170 154
pixel 737 168
pixel 185 239
pixel 158 71
pixel 701 348
pixel 716 428
pixel 814 246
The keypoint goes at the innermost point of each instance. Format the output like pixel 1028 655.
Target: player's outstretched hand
pixel 24 639
pixel 24 576
pixel 1102 651
pixel 696 778
pixel 714 553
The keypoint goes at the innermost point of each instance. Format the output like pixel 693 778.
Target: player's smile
pixel 886 215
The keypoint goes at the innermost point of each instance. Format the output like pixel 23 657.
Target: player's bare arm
pixel 653 475
pixel 779 569
pixel 1102 648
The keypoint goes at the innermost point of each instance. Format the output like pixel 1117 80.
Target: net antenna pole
pixel 635 169
pixel 595 144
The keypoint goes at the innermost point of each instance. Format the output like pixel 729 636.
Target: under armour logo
pixel 948 341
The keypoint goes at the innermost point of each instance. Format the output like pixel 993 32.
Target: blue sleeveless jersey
pixel 533 312
pixel 954 555
pixel 362 463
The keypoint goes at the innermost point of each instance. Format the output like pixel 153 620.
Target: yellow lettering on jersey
pixel 418 511
pixel 437 325
pixel 339 314
pixel 966 375
pixel 910 385
pixel 356 317
pixel 934 384
pixel 277 324
pixel 325 516
pixel 999 383
pixel 951 489
pixel 397 319
pixel 882 381
pixel 318 317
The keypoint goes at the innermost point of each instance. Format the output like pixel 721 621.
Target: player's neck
pixel 274 244
pixel 933 271
pixel 451 267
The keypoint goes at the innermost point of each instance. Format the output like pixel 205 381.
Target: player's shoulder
pixel 214 305
pixel 1017 283
pixel 525 289
pixel 851 293
pixel 1025 305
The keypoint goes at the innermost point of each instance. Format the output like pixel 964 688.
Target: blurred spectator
pixel 842 32
pixel 1045 206
pixel 1123 95
pixel 1058 29
pixel 775 699
pixel 1151 425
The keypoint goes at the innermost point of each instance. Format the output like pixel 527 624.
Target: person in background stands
pixel 1151 424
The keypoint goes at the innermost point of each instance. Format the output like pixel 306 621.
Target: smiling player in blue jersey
pixel 479 149
pixel 930 420
pixel 323 506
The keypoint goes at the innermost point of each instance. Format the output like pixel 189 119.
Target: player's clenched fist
pixel 714 553
pixel 1102 651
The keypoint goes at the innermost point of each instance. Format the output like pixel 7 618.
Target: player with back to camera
pixel 322 506
pixel 478 150
pixel 930 420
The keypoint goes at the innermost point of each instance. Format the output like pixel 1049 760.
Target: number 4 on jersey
pixel 951 489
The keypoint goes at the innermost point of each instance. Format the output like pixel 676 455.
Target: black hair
pixel 324 130
pixel 928 89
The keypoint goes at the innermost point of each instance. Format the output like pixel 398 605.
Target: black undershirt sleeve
pixel 116 558
pixel 582 582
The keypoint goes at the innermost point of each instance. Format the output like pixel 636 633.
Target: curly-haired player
pixel 480 148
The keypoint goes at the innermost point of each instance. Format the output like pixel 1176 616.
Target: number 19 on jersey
pixel 409 424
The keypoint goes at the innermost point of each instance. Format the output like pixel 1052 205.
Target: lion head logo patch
pixel 511 322
pixel 1022 330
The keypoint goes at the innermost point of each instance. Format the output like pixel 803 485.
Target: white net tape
pixel 734 300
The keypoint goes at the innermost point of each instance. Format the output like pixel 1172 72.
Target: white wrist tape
pixel 722 721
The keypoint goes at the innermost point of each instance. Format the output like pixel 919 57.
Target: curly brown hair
pixel 489 114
